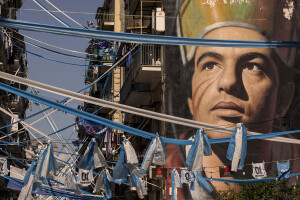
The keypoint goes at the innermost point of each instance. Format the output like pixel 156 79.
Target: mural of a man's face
pixel 231 85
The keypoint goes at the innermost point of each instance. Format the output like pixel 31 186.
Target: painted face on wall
pixel 231 85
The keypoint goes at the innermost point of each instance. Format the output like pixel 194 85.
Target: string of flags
pixel 128 166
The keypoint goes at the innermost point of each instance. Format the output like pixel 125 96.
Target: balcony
pixel 92 108
pixel 147 64
pixel 135 94
pixel 105 19
pixel 135 25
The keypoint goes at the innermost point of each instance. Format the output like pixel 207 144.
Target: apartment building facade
pixel 13 60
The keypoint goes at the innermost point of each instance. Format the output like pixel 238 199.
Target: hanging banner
pixel 259 170
pixel 94 129
pixel 3 166
pixel 85 177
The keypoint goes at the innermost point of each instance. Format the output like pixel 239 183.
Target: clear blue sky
pixel 49 72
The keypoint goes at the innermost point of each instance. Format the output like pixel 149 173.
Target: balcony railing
pixel 105 18
pixel 149 55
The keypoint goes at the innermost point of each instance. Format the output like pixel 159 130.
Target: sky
pixel 56 74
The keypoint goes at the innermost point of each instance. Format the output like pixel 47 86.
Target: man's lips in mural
pixel 227 109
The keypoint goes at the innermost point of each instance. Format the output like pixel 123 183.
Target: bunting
pixel 103 179
pixel 137 182
pixel 199 147
pixel 71 183
pixel 46 162
pixel 203 183
pixel 130 152
pixel 283 170
pixel 92 158
pixel 28 181
pixel 176 183
pixel 237 147
pixel 120 171
pixel 156 154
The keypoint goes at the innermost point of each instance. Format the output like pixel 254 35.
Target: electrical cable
pixel 67 100
pixel 51 14
pixel 53 51
pixel 64 14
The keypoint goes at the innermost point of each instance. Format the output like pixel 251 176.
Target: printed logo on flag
pixel 259 170
pixel 186 175
pixel 3 166
pixel 85 177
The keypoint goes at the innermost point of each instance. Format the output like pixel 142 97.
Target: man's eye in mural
pixel 210 66
pixel 252 67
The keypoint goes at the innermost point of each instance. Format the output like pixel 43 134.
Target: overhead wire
pixel 67 100
pixel 52 51
pixel 62 12
pixel 50 13
pixel 58 61
pixel 73 51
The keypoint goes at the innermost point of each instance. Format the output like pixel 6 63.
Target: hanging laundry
pixel 176 183
pixel 120 170
pixel 156 154
pixel 85 177
pixel 259 170
pixel 71 183
pixel 237 147
pixel 128 60
pixel 94 129
pixel 108 141
pixel 103 178
pixel 203 183
pixel 283 170
pixel 199 147
pixel 46 162
pixel 102 45
pixel 137 182
pixel 92 158
pixel 3 166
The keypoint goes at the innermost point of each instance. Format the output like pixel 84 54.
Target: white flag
pixel 85 177
pixel 3 166
pixel 259 170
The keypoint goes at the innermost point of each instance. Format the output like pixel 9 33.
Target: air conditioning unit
pixel 159 21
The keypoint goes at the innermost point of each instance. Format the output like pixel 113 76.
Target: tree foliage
pixel 267 190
